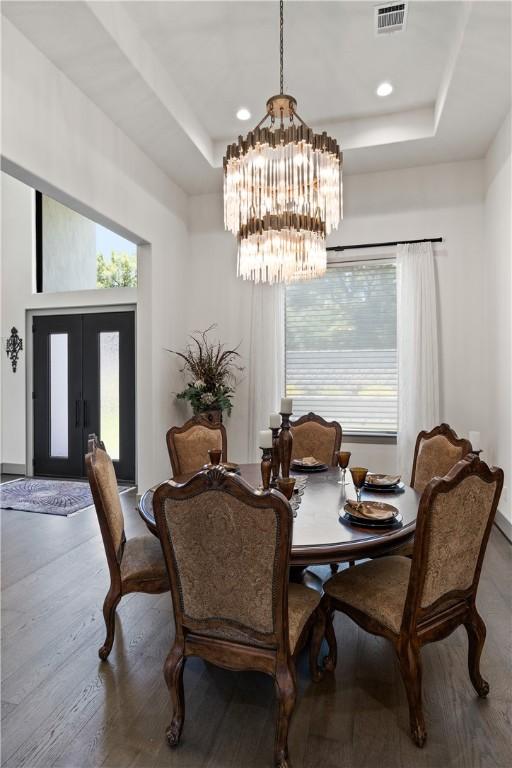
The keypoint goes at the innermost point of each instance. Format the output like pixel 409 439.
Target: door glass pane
pixel 109 391
pixel 59 395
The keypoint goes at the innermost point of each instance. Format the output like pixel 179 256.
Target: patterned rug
pixel 49 497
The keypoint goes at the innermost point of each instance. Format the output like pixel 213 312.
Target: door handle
pixel 86 414
pixel 77 413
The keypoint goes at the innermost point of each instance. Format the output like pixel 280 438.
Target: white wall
pixel 55 138
pixel 69 245
pixel 216 295
pixel 445 200
pixel 17 277
pixel 187 281
pixel 498 224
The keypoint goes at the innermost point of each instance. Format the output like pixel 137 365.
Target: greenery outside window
pixel 74 253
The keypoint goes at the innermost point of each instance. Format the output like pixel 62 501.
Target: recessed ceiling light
pixel 384 89
pixel 243 114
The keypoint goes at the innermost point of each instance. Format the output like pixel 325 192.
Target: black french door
pixel 84 382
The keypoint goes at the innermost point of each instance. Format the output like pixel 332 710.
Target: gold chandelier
pixel 282 193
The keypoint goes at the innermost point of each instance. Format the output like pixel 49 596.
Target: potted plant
pixel 213 375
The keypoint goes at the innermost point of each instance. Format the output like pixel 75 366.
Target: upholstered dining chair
pixel 314 436
pixel 188 445
pixel 227 551
pixel 421 601
pixel 135 565
pixel 435 453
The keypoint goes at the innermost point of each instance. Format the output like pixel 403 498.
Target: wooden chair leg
pixel 173 673
pixel 286 694
pixel 475 628
pixel 317 635
pixel 410 668
pixel 109 614
pixel 334 568
pixel 331 659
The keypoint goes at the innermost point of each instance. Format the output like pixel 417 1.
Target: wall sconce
pixel 13 348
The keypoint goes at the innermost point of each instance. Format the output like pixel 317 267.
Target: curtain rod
pixel 382 245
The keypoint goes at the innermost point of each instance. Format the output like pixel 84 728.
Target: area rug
pixel 48 497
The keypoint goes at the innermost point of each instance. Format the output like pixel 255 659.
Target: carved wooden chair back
pixel 454 521
pixel 314 436
pixel 188 445
pixel 105 493
pixel 435 453
pixel 227 552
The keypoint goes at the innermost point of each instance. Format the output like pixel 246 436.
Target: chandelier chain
pixel 282 192
pixel 281 4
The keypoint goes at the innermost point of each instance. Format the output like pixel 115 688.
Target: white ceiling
pixel 333 61
pixel 173 74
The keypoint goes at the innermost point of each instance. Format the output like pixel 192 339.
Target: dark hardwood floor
pixel 62 707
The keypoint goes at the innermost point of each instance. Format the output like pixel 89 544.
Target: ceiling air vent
pixel 390 18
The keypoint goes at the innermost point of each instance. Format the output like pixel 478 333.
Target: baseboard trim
pixel 504 525
pixel 12 469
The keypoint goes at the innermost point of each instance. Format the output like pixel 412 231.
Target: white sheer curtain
pixel 418 369
pixel 266 360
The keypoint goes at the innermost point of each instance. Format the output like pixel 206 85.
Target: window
pixel 341 357
pixel 74 253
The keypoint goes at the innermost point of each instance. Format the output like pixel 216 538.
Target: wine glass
pixel 358 477
pixel 215 455
pixel 286 485
pixel 343 461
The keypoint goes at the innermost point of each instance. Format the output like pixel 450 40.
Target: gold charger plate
pixel 308 464
pixel 375 511
pixel 382 481
pixel 371 514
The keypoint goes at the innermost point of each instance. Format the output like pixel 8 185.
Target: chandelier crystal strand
pixel 282 193
pixel 288 166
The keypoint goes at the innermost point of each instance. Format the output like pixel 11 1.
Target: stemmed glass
pixel 215 455
pixel 343 461
pixel 358 477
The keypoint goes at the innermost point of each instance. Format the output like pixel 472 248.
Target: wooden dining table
pixel 319 535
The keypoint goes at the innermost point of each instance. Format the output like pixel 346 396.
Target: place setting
pixel 215 455
pixel 308 464
pixel 369 513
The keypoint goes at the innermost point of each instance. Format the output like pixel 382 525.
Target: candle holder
pixel 275 456
pixel 266 467
pixel 285 444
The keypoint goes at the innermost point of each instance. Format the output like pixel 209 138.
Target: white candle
pixel 474 439
pixel 275 421
pixel 286 405
pixel 265 438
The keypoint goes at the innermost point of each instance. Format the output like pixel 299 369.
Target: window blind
pixel 341 357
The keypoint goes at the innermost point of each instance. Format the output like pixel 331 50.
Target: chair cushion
pixel 143 559
pixel 105 475
pixel 377 588
pixel 192 446
pixel 302 601
pixel 436 456
pixel 313 439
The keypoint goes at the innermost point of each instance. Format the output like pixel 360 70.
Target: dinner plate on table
pixel 299 466
pixel 229 466
pixel 371 514
pixel 386 483
pixel 398 488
